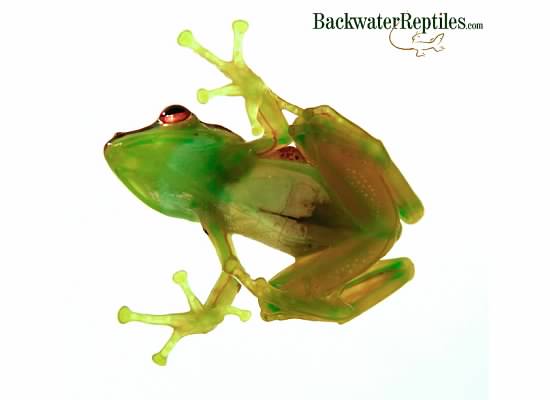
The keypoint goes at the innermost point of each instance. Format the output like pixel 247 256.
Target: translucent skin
pixel 335 203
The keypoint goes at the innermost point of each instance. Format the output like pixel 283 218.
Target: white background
pixel 468 127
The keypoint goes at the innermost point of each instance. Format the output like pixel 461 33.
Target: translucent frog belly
pixel 285 206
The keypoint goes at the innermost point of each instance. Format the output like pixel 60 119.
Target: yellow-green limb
pixel 263 107
pixel 200 318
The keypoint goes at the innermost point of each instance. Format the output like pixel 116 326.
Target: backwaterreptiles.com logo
pixel 424 33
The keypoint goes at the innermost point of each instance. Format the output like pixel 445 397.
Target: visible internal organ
pixel 286 153
pixel 279 232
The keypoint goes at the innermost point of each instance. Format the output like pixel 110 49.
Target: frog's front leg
pixel 202 318
pixel 263 107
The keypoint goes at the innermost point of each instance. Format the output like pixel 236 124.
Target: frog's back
pixel 285 205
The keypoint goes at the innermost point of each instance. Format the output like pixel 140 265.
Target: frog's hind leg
pixel 336 284
pixel 263 107
pixel 344 303
pixel 358 167
pixel 355 167
pixel 344 279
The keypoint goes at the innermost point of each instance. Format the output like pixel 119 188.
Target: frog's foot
pixel 200 319
pixel 262 105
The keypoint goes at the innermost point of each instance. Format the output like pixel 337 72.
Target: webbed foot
pixel 263 107
pixel 200 319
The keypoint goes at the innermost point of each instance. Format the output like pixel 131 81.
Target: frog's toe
pixel 186 39
pixel 239 29
pixel 252 110
pixel 204 95
pixel 159 359
pixel 240 26
pixel 124 315
pixel 244 315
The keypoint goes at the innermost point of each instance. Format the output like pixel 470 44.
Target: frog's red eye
pixel 173 114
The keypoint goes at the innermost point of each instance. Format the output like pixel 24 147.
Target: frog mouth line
pixel 119 135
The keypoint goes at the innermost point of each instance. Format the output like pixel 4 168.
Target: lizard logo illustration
pixel 420 44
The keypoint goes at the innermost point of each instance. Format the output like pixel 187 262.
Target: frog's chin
pixel 147 193
pixel 177 204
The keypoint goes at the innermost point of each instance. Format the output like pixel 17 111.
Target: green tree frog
pixel 334 201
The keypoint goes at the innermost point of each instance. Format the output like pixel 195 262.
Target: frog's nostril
pixel 118 135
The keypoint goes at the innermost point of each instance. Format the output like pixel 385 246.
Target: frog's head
pixel 174 163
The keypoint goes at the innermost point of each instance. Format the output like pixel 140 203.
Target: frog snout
pixel 119 135
pixel 115 137
pixel 106 146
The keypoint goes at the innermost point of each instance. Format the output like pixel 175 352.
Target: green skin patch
pixel 335 201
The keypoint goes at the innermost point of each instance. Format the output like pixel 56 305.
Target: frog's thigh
pixel 353 180
pixel 322 273
pixel 347 155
